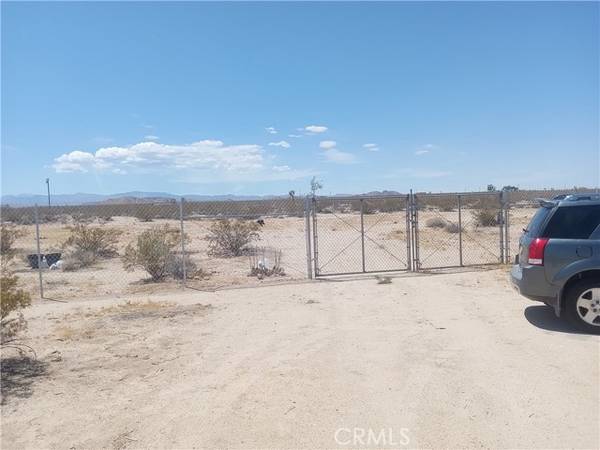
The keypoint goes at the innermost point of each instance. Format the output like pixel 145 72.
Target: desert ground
pixel 338 250
pixel 434 360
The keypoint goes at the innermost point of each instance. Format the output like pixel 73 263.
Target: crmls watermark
pixel 367 437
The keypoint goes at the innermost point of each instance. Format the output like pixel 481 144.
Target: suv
pixel 559 259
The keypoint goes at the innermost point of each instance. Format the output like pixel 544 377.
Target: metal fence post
pixel 307 205
pixel 315 236
pixel 460 242
pixel 39 254
pixel 362 233
pixel 408 233
pixel 183 280
pixel 501 227
pixel 507 231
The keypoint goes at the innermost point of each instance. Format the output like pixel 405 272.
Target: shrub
pixel 176 267
pixel 153 251
pixel 144 215
pixel 8 235
pixel 88 243
pixel 436 222
pixel 77 259
pixel 12 300
pixel 485 217
pixel 452 227
pixel 259 264
pixel 231 237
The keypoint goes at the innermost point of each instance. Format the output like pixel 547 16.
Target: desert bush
pixel 231 237
pixel 175 268
pixel 12 300
pixel 77 259
pixel 485 217
pixel 435 222
pixel 8 235
pixel 153 251
pixel 260 267
pixel 144 215
pixel 87 243
pixel 452 227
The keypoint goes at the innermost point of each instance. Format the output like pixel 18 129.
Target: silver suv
pixel 559 259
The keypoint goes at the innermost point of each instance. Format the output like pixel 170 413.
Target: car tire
pixel 582 305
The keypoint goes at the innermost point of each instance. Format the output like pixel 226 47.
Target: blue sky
pixel 257 98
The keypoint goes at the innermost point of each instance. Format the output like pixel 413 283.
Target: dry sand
pixel 452 360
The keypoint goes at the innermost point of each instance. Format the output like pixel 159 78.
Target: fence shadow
pixel 18 376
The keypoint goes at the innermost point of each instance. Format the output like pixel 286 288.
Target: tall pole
pixel 48 188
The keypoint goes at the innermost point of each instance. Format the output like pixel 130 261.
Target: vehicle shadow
pixel 543 317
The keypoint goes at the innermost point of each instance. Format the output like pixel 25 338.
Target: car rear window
pixel 536 221
pixel 573 222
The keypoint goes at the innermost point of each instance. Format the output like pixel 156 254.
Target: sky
pixel 257 98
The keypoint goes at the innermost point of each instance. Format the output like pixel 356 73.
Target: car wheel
pixel 582 305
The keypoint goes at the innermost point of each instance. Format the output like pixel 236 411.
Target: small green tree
pixel 153 251
pixel 12 301
pixel 8 236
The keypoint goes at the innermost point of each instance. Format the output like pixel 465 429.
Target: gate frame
pixel 314 261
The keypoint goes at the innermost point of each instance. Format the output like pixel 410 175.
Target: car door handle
pixel 584 251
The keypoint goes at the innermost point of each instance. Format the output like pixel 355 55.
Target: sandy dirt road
pixel 455 360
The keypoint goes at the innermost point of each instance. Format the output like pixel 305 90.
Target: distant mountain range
pixel 124 197
pixel 136 197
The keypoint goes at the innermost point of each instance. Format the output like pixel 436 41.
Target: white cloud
pixel 203 161
pixel 271 130
pixel 294 135
pixel 315 129
pixel 327 145
pixel 426 149
pixel 151 137
pixel 282 144
pixel 339 157
pixel 371 147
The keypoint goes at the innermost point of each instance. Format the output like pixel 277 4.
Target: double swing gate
pixel 413 232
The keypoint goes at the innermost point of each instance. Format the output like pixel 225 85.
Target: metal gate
pixel 458 230
pixel 351 235
pixel 360 234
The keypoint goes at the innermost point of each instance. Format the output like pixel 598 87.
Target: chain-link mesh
pixel 360 234
pixel 459 229
pixel 124 248
pixel 143 246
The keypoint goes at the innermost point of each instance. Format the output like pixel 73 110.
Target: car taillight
pixel 536 251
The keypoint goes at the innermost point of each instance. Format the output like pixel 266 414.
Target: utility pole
pixel 48 187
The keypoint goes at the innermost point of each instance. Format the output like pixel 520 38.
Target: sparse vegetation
pixel 87 243
pixel 77 259
pixel 191 269
pixel 12 301
pixel 452 227
pixel 435 222
pixel 261 267
pixel 8 236
pixel 144 215
pixel 229 238
pixel 98 241
pixel 153 251
pixel 485 217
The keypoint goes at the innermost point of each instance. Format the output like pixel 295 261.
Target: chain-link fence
pixel 120 248
pixel 123 248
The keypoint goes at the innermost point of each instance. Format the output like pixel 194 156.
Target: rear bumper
pixel 531 283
